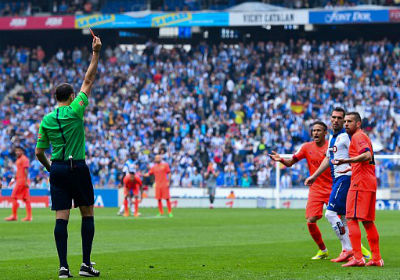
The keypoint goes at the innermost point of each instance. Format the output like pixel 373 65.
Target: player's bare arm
pixel 40 155
pixel 26 177
pixel 321 169
pixel 276 157
pixel 366 156
pixel 92 70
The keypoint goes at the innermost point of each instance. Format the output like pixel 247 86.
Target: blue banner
pixel 32 192
pixel 190 19
pixel 105 197
pixel 102 197
pixel 387 204
pixel 141 20
pixel 349 16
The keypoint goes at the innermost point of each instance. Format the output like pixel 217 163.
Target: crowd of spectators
pixel 219 107
pixel 56 7
pixel 63 7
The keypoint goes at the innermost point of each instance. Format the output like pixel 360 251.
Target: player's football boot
pixel 136 215
pixel 27 219
pixel 64 273
pixel 88 271
pixel 321 255
pixel 354 262
pixel 375 263
pixel 11 218
pixel 159 214
pixel 343 257
pixel 126 214
pixel 171 215
pixel 366 253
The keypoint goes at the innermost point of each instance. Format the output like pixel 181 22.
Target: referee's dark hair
pixel 63 92
pixel 356 115
pixel 319 123
pixel 339 109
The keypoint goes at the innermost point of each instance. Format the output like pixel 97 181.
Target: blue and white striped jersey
pixel 338 149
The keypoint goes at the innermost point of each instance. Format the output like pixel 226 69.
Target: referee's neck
pixel 65 103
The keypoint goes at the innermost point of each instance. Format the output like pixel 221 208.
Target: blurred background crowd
pixel 206 107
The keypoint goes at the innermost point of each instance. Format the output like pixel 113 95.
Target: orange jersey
pixel 132 184
pixel 362 173
pixel 22 163
pixel 160 172
pixel 314 156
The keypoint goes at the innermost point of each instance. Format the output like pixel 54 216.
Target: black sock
pixel 211 199
pixel 87 233
pixel 61 237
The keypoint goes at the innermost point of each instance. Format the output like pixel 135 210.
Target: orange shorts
pixel 131 192
pixel 162 193
pixel 315 205
pixel 361 205
pixel 20 192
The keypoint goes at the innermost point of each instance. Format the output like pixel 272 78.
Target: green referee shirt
pixel 63 129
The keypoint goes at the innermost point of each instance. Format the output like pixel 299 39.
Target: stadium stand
pixel 28 8
pixel 262 97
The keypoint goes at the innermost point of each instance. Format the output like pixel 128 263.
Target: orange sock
pixel 160 207
pixel 373 239
pixel 169 206
pixel 14 207
pixel 355 237
pixel 136 206
pixel 28 208
pixel 126 206
pixel 316 235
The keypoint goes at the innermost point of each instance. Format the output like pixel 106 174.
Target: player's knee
pixel 62 214
pixel 330 214
pixel 86 211
pixel 312 219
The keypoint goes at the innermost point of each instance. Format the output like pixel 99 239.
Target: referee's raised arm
pixel 92 70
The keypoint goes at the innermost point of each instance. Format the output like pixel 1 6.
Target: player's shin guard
pixel 61 237
pixel 160 207
pixel 136 206
pixel 87 233
pixel 346 237
pixel 126 206
pixel 373 240
pixel 28 209
pixel 338 228
pixel 316 235
pixel 211 199
pixel 14 208
pixel 169 206
pixel 355 238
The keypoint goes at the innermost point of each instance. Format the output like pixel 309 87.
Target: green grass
pixel 195 244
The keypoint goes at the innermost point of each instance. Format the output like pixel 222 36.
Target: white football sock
pixel 338 228
pixel 346 237
pixel 122 208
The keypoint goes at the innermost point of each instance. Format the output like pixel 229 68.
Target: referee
pixel 70 179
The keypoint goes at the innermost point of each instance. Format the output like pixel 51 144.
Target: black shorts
pixel 68 184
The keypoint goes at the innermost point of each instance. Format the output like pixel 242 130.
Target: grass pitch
pixel 195 244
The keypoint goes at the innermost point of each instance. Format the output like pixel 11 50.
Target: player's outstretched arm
pixel 366 156
pixel 287 162
pixel 39 152
pixel 92 70
pixel 322 167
